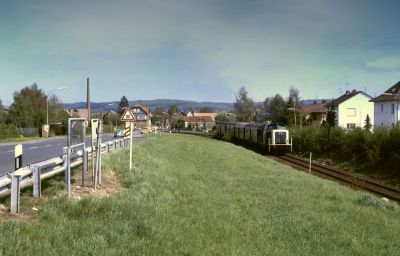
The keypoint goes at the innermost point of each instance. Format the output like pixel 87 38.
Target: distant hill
pixel 184 105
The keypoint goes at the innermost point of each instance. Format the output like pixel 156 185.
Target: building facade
pixel 142 115
pixel 386 107
pixel 198 122
pixel 314 114
pixel 352 109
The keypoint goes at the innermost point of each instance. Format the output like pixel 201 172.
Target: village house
pixel 352 109
pixel 198 122
pixel 386 107
pixel 142 115
pixel 314 114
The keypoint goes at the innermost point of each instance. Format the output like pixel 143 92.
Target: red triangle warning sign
pixel 128 116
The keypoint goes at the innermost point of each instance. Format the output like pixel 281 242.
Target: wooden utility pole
pixel 88 98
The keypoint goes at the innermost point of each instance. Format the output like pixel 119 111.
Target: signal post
pixel 129 118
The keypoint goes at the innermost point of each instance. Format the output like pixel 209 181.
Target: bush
pixel 361 148
pixel 8 131
pixel 357 144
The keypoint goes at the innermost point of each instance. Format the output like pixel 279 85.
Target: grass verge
pixel 22 139
pixel 189 195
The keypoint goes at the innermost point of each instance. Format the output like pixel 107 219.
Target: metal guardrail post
pixel 108 148
pixel 15 192
pixel 37 182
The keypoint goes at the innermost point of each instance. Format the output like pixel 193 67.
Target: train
pixel 274 137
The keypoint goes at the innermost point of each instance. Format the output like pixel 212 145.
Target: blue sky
pixel 198 50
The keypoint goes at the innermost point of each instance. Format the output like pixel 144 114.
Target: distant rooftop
pixel 391 94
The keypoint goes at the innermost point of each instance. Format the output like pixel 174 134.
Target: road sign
pixel 128 116
pixel 128 131
pixel 95 123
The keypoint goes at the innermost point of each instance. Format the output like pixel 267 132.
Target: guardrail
pixel 33 174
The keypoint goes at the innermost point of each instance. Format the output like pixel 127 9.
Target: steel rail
pixel 353 180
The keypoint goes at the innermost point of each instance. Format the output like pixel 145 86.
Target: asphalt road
pixel 36 151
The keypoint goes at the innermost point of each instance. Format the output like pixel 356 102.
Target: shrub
pixel 363 149
pixel 8 131
pixel 356 146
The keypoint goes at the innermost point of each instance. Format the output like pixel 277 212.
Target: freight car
pixel 274 137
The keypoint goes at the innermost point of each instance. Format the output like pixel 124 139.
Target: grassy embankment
pixel 194 196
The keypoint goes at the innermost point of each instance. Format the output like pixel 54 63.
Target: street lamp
pixel 47 103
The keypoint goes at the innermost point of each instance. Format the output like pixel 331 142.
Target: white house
pixel 386 107
pixel 352 109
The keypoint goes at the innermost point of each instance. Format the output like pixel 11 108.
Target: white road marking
pixel 32 147
pixel 48 145
pixel 10 151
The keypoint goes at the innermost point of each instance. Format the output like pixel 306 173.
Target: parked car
pixel 118 133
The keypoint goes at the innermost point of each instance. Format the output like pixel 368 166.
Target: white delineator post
pixel 130 146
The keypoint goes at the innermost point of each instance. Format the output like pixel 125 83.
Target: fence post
pixel 37 182
pixel 15 192
pixel 108 147
pixel 85 166
pixel 309 167
pixel 115 144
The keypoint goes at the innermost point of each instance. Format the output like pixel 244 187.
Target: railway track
pixel 342 177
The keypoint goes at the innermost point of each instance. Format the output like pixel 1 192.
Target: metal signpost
pixel 76 140
pixel 94 125
pixel 97 174
pixel 129 118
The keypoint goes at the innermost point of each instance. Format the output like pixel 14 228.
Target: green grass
pixel 189 195
pixel 21 139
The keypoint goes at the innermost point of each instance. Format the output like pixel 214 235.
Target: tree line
pixel 29 110
pixel 274 108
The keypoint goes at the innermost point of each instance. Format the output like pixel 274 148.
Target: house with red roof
pixel 315 114
pixel 142 115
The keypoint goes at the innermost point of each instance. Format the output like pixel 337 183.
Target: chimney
pixel 354 91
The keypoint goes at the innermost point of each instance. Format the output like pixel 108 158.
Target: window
pixel 392 108
pixel 381 107
pixel 351 126
pixel 351 112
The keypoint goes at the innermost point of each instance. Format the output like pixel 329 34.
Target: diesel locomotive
pixel 274 137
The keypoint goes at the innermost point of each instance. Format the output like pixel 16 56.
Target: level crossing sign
pixel 127 131
pixel 128 116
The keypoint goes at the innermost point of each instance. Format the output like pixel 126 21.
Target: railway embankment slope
pixel 189 195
